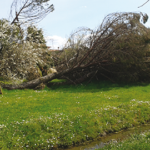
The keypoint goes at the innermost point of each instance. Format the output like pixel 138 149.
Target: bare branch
pixel 23 11
pixel 144 4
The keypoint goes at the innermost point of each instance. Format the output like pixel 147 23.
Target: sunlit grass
pixel 67 115
pixel 57 80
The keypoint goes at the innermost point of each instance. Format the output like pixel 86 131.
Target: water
pixel 112 137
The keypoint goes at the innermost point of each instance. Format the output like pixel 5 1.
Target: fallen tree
pixel 115 50
pixel 45 79
pixel 34 83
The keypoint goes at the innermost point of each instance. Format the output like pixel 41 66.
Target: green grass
pixel 65 115
pixel 135 142
pixel 58 80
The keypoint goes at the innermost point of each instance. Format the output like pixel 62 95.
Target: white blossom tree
pixel 21 49
pixel 35 35
pixel 18 59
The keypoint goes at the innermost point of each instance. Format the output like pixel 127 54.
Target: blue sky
pixel 71 14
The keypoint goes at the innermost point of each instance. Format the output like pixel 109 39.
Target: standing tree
pixel 23 11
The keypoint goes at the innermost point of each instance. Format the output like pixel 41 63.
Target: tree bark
pixel 34 83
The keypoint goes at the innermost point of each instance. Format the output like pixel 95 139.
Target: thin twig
pixel 144 4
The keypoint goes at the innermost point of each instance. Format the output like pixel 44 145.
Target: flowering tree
pixel 21 49
pixel 18 56
pixel 35 35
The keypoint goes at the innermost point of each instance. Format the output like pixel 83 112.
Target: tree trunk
pixel 34 83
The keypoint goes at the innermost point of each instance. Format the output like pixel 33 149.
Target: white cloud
pixel 84 6
pixel 55 41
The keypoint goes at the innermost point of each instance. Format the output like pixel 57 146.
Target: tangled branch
pixel 116 45
pixel 23 11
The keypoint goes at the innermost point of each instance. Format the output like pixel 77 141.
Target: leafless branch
pixel 23 11
pixel 144 4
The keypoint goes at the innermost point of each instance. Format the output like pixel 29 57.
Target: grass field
pixel 135 142
pixel 66 115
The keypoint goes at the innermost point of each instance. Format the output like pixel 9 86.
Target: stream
pixel 112 137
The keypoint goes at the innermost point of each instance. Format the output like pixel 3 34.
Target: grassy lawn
pixel 65 115
pixel 135 142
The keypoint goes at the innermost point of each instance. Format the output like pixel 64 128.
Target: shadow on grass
pixel 93 86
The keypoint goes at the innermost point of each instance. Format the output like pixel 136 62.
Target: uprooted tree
pixel 115 50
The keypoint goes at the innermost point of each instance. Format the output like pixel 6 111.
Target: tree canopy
pixel 24 11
